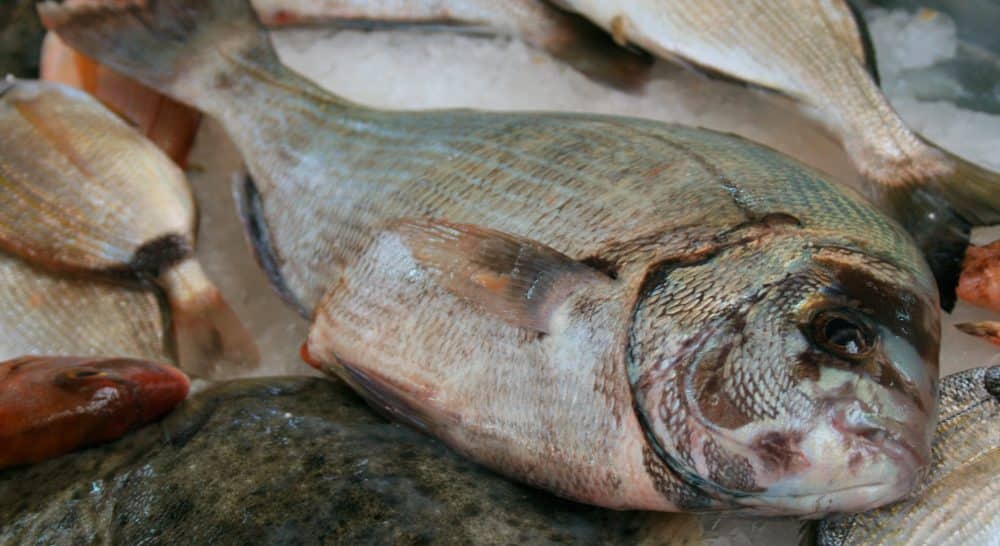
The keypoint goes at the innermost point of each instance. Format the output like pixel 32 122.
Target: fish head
pixel 793 379
pixel 129 390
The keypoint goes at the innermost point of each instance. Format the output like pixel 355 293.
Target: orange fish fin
pixel 211 340
pixel 518 279
pixel 987 329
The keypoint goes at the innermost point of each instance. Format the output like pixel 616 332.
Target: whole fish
pixel 959 503
pixel 812 51
pixel 565 36
pixel 50 405
pixel 82 192
pixel 46 313
pixel 623 312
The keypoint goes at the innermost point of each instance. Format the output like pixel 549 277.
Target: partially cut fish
pixel 169 124
pixel 980 281
pixel 987 329
pixel 623 312
pixel 51 405
pixel 47 313
pixel 811 50
pixel 84 193
pixel 959 502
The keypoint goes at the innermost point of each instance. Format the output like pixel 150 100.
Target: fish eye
pixel 843 333
pixel 83 373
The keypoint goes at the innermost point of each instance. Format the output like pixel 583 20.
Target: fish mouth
pixel 869 435
pixel 821 505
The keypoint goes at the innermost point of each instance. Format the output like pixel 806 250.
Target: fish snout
pixel 158 388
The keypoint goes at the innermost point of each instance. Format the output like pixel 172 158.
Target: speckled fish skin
pixel 959 503
pixel 46 313
pixel 812 51
pixel 50 405
pixel 81 192
pixel 565 36
pixel 626 313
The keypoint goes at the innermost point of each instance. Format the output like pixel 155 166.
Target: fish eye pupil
pixel 844 336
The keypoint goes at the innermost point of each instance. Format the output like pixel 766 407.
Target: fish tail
pixel 210 339
pixel 943 197
pixel 179 47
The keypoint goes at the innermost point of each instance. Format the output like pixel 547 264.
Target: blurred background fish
pixel 83 193
pixel 50 405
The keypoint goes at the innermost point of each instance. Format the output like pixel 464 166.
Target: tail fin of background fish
pixel 939 212
pixel 179 47
pixel 211 341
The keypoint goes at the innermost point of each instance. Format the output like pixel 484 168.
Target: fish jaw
pixel 871 449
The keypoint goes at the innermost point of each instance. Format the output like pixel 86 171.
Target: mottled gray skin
pixel 285 461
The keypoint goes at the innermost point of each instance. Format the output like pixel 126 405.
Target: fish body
pixel 46 313
pixel 84 193
pixel 626 313
pixel 50 405
pixel 813 51
pixel 959 502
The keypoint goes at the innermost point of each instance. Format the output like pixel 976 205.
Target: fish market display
pixel 50 405
pixel 959 503
pixel 324 471
pixel 626 313
pixel 83 193
pixel 813 51
pixel 47 313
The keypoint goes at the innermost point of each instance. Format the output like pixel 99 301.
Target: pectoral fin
pixel 518 279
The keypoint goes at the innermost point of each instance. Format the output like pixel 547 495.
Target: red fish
pixel 51 405
pixel 980 281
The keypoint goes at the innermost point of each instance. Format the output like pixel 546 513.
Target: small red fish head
pixel 53 404
pixel 150 388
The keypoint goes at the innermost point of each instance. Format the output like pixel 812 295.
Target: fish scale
pixel 44 313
